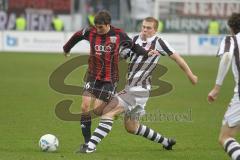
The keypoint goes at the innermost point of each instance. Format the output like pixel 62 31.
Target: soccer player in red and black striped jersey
pixel 105 43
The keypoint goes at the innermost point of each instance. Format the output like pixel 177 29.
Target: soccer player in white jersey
pixel 229 53
pixel 132 100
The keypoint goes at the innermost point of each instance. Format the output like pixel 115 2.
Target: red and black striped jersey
pixel 104 51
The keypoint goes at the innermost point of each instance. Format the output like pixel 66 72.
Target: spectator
pixel 160 26
pixel 57 24
pixel 91 17
pixel 21 23
pixel 213 27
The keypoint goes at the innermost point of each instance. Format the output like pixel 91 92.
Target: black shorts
pixel 102 90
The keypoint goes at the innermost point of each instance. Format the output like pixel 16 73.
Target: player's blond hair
pixel 154 20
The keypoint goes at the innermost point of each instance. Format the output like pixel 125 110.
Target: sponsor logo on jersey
pixel 101 48
pixel 113 39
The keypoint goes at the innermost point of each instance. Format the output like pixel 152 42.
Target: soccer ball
pixel 48 143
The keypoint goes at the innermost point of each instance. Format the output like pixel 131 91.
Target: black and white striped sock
pixel 104 127
pixel 232 147
pixel 151 135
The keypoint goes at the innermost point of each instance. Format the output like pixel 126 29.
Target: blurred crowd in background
pixel 175 16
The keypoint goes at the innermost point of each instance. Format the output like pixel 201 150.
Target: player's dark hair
pixel 102 17
pixel 154 20
pixel 234 22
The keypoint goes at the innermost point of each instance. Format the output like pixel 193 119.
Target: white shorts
pixel 232 115
pixel 133 100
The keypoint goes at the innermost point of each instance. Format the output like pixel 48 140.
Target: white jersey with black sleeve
pixel 136 92
pixel 140 67
pixel 229 53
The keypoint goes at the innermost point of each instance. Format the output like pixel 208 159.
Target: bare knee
pixel 87 100
pixel 85 104
pixel 112 110
pixel 85 107
pixel 131 126
pixel 131 129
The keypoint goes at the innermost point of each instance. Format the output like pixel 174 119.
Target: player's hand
pixel 193 79
pixel 153 52
pixel 213 94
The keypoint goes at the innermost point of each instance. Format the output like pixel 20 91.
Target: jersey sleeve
pixel 127 52
pixel 226 45
pixel 76 37
pixel 164 47
pixel 225 52
pixel 127 43
pixel 224 65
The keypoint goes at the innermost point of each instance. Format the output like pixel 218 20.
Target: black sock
pixel 86 127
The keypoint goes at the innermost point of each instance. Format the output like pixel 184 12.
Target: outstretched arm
pixel 223 68
pixel 183 65
pixel 76 37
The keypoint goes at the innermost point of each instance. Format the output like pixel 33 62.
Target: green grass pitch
pixel 27 105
